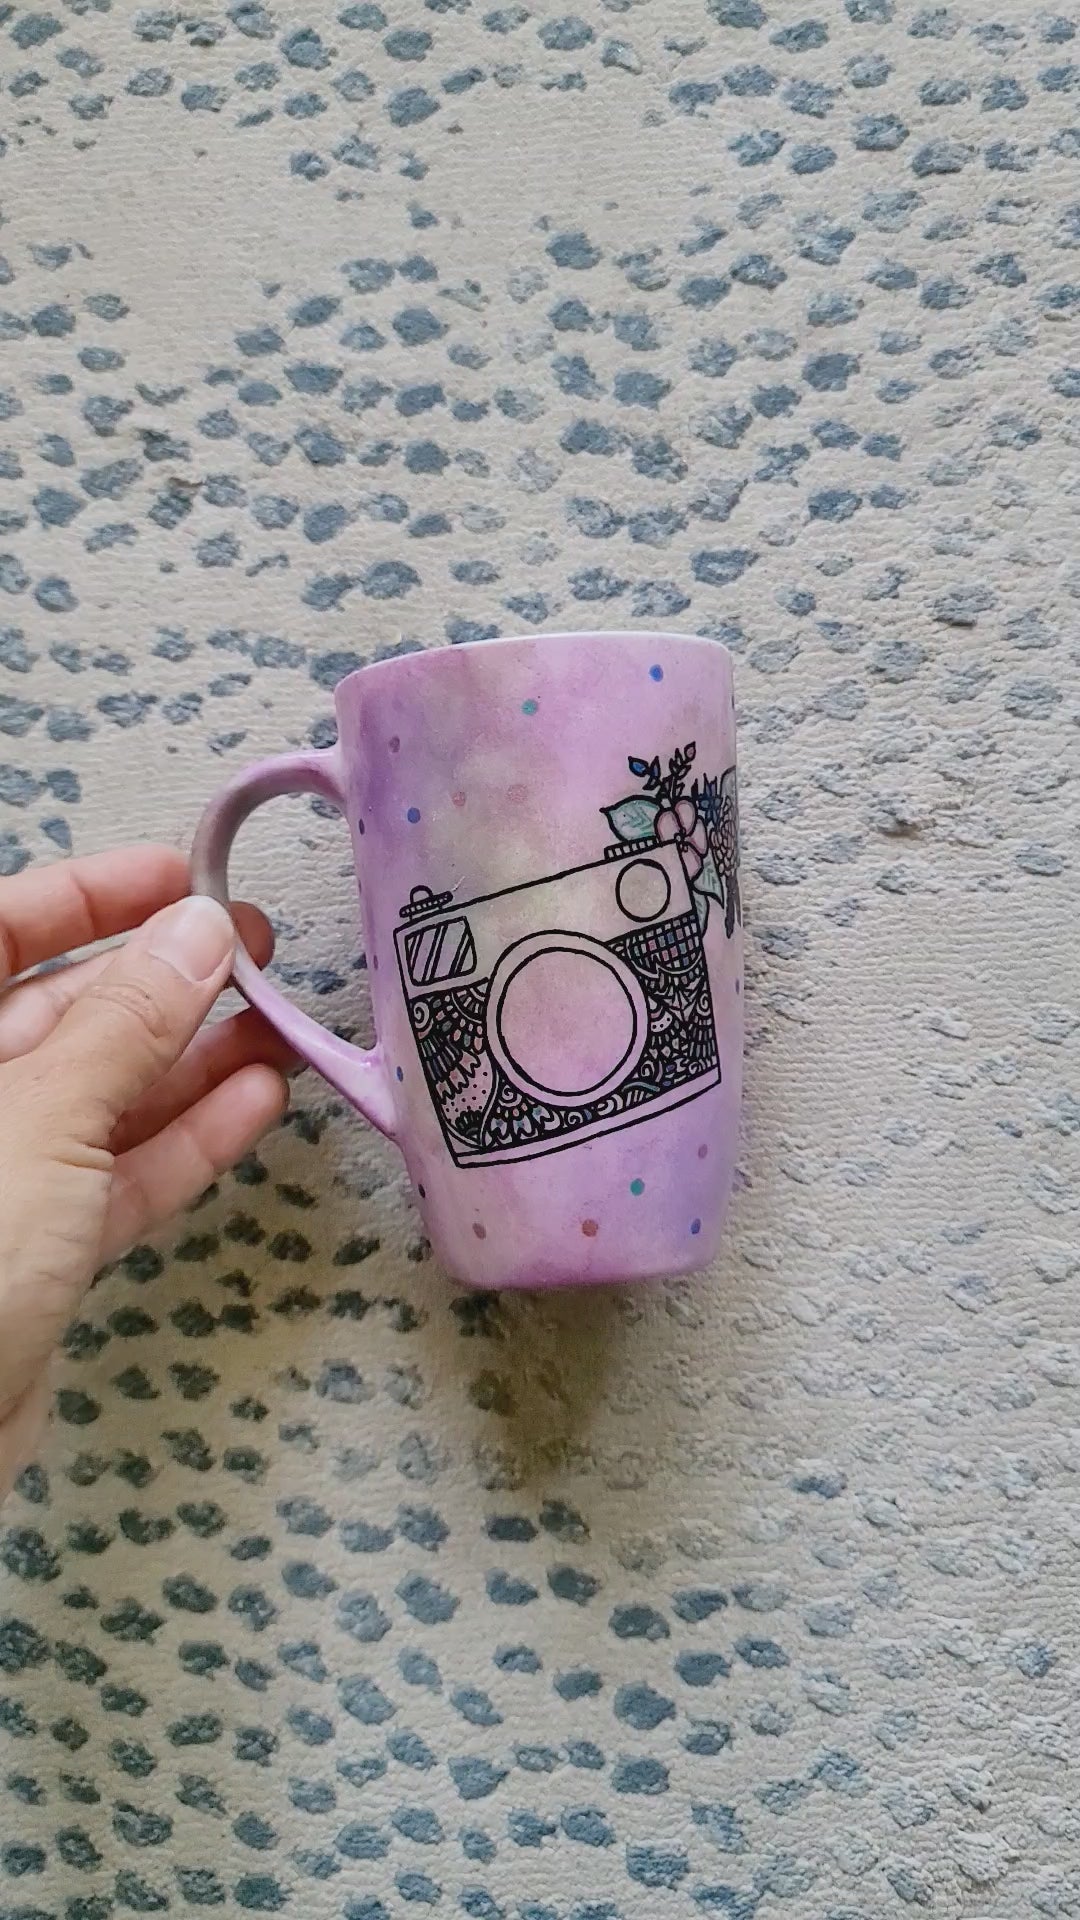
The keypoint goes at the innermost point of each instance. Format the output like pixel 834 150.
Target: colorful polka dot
pixel 529 706
pixel 637 1186
pixel 421 1190
pixel 458 799
pixel 360 828
pixel 413 815
pixel 400 1073
pixel 695 1226
pixel 738 986
pixel 703 1153
pixel 395 744
pixel 656 673
pixel 517 794
pixel 480 1231
pixel 590 1228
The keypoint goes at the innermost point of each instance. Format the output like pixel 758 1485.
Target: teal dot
pixel 637 1186
pixel 529 706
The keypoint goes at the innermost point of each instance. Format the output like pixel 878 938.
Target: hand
pixel 115 1110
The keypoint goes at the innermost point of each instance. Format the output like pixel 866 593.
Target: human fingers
pixel 161 1175
pixel 56 909
pixel 129 1028
pixel 30 1010
pixel 215 1054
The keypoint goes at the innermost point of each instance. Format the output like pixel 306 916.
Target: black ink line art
pixel 488 983
pixel 699 816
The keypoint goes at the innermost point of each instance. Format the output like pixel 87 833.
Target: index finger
pixel 51 910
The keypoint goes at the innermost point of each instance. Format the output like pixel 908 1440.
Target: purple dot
pixel 360 828
pixel 703 1153
pixel 413 816
pixel 479 1230
pixel 656 673
pixel 738 986
pixel 695 1226
pixel 422 1191
pixel 401 1073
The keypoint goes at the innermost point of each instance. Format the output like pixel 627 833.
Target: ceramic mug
pixel 545 833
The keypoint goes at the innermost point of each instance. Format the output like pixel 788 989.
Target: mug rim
pixel 693 640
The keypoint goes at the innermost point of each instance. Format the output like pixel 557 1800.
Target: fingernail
pixel 195 937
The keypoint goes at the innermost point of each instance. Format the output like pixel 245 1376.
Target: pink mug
pixel 545 833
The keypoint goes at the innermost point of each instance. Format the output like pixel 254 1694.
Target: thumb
pixel 119 1037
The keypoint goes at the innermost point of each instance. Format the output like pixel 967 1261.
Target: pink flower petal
pixel 687 816
pixel 692 861
pixel 699 840
pixel 667 825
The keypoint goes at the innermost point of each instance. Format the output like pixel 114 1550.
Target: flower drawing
pixel 682 824
pixel 700 817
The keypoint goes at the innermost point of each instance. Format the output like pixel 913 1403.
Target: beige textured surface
pixel 808 1527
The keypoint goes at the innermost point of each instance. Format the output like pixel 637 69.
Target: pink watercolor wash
pixel 546 832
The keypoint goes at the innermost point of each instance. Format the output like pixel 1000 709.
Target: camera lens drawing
pixel 602 1023
pixel 562 1008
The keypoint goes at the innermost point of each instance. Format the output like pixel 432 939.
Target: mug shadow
pixel 547 1369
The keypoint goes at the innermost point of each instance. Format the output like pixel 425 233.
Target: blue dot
pixel 529 706
pixel 401 1073
pixel 413 815
pixel 656 673
pixel 695 1226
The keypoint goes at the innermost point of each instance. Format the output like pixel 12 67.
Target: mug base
pixel 536 1277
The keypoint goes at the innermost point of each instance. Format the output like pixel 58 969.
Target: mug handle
pixel 361 1075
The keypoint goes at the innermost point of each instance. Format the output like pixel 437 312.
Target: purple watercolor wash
pixel 562 954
